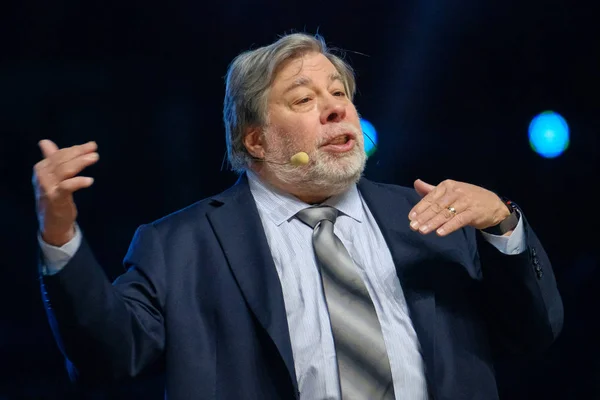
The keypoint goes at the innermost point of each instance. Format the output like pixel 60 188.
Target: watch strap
pixel 509 223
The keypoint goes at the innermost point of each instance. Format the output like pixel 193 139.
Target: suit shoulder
pixel 185 216
pixel 194 214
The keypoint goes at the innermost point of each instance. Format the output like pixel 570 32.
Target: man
pixel 301 281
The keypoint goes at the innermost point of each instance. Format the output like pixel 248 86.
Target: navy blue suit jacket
pixel 201 299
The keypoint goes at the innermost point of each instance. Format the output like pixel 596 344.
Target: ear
pixel 253 141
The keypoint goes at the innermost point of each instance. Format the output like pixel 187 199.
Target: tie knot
pixel 311 216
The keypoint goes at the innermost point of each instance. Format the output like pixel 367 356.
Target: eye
pixel 303 100
pixel 339 93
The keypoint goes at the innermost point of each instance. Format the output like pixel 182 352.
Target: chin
pixel 327 175
pixel 335 174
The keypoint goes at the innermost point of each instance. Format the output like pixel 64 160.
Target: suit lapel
pixel 406 246
pixel 238 228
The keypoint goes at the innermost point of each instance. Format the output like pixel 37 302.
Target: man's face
pixel 309 110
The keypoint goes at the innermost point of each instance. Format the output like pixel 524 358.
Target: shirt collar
pixel 280 206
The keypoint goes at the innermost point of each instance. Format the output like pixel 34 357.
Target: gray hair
pixel 247 84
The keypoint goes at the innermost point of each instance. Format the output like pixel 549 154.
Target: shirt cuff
pixel 55 258
pixel 516 243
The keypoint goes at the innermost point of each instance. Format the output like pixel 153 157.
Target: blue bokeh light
pixel 370 136
pixel 549 134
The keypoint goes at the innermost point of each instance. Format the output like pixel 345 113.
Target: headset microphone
pixel 297 160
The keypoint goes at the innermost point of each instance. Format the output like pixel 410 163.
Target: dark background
pixel 450 85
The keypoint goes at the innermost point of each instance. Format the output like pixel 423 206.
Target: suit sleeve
pixel 522 302
pixel 109 331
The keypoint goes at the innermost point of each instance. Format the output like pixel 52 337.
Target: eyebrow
pixel 305 81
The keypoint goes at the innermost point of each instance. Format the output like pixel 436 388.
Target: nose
pixel 334 110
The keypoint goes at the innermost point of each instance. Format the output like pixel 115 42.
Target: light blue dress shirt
pixel 290 242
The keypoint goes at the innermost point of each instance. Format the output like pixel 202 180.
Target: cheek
pixel 352 116
pixel 298 137
pixel 299 129
pixel 305 132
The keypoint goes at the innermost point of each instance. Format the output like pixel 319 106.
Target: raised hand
pixel 54 181
pixel 452 205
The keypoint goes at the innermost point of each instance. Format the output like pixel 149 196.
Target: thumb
pixel 423 188
pixel 48 147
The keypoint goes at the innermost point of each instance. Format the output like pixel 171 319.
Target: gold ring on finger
pixel 452 211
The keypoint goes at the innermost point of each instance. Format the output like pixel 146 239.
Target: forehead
pixel 311 65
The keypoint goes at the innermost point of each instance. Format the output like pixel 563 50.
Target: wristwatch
pixel 509 223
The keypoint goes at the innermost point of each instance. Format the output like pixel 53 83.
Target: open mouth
pixel 340 143
pixel 339 140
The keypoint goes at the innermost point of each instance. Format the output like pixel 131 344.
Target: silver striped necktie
pixel 363 365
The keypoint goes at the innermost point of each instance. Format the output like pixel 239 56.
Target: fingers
pixel 48 147
pixel 60 164
pixel 54 176
pixel 438 198
pixel 69 186
pixel 426 202
pixel 457 222
pixel 54 157
pixel 432 213
pixel 444 216
pixel 74 166
pixel 422 187
pixel 437 213
pixel 50 176
pixel 474 206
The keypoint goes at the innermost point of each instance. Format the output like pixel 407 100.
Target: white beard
pixel 327 174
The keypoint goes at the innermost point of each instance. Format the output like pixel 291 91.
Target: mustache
pixel 342 129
